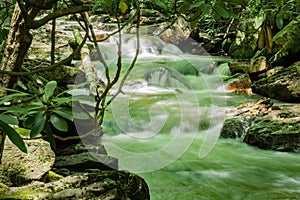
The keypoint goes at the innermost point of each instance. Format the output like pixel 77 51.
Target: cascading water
pixel 165 127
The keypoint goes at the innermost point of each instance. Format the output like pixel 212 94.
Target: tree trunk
pixel 18 42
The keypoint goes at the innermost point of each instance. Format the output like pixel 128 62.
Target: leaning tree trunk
pixel 18 42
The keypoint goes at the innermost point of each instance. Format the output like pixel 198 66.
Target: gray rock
pixel 33 165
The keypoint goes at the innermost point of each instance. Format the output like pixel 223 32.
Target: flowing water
pixel 165 127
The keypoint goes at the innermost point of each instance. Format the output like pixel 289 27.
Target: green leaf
pixel 123 7
pixel 65 113
pixel 279 21
pixel 63 100
pixel 14 109
pixel 184 7
pixel 50 136
pixel 11 97
pixel 160 3
pixel 221 11
pixel 14 137
pixel 80 114
pixel 197 17
pixel 197 4
pixel 59 123
pixel 49 89
pixel 206 9
pixel 232 14
pixel 278 3
pixel 9 119
pixel 38 126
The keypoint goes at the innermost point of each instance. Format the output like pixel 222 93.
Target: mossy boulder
pixel 279 135
pixel 100 185
pixel 265 125
pixel 284 85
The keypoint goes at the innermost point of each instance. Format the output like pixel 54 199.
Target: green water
pixel 165 127
pixel 166 154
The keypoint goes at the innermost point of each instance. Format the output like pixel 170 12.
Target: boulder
pixel 176 33
pixel 100 185
pixel 265 125
pixel 283 85
pixel 279 135
pixel 87 160
pixel 27 166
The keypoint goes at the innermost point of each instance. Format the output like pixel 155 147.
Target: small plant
pixel 39 112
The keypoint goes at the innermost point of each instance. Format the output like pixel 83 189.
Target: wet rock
pixel 265 125
pixel 235 128
pixel 87 160
pixel 279 135
pixel 241 84
pixel 31 166
pixel 101 185
pixel 283 85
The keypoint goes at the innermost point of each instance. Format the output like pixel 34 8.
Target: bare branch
pixel 135 57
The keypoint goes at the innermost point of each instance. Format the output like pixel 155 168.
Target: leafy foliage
pixel 38 112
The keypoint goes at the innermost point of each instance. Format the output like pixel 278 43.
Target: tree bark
pixel 18 42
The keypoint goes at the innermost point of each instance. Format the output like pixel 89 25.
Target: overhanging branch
pixel 34 24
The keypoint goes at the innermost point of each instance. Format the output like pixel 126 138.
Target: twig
pixel 135 56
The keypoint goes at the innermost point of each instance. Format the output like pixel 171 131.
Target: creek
pixel 165 127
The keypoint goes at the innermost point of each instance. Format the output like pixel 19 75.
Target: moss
pixel 51 177
pixel 23 131
pixel 24 193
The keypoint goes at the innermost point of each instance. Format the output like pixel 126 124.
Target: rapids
pixel 165 127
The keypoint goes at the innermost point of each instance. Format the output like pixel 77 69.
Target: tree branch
pixel 34 24
pixel 62 62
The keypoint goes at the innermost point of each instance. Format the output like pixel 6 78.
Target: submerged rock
pixel 283 85
pixel 101 185
pixel 266 125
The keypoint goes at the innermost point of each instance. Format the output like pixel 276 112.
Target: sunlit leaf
pixel 49 89
pixel 9 119
pixel 38 126
pixel 14 137
pixel 59 123
pixel 123 7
